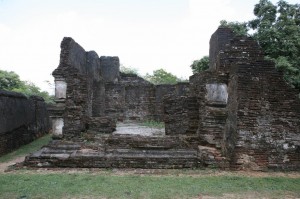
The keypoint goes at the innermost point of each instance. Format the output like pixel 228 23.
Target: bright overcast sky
pixel 145 34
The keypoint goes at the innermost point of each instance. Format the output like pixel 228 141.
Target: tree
pixel 278 33
pixel 10 81
pixel 277 30
pixel 128 70
pixel 239 28
pixel 200 65
pixel 161 76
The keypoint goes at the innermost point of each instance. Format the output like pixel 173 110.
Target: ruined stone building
pixel 239 114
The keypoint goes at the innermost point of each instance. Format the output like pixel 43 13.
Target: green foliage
pixel 10 81
pixel 129 70
pixel 278 32
pixel 277 29
pixel 200 65
pixel 154 124
pixel 239 28
pixel 161 76
pixel 29 89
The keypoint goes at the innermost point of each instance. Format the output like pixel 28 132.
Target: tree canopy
pixel 161 76
pixel 200 65
pixel 239 28
pixel 277 30
pixel 10 81
pixel 128 70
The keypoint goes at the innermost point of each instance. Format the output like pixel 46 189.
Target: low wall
pixel 134 98
pixel 22 120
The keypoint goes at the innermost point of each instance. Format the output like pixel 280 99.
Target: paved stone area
pixel 138 129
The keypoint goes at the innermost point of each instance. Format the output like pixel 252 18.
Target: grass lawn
pixel 111 184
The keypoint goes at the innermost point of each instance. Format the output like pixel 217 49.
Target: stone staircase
pixel 123 151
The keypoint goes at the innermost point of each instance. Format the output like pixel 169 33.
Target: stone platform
pixel 125 151
pixel 121 153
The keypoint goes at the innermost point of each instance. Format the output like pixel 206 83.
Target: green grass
pixel 26 149
pixel 153 124
pixel 88 184
pixel 106 186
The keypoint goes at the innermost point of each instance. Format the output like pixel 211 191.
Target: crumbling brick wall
pixel 267 116
pixel 22 120
pixel 72 68
pixel 96 88
pixel 176 114
pixel 81 71
pixel 217 43
pixel 139 102
pixel 133 98
pixel 114 100
pixel 210 90
pixel 129 98
pixel 162 91
pixel 240 49
pixel 175 107
pixel 262 129
pixel 110 68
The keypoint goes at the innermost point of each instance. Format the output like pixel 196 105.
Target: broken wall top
pixel 74 58
pixel 226 48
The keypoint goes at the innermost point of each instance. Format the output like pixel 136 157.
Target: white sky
pixel 145 34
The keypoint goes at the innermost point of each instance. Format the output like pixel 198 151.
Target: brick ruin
pixel 92 94
pixel 22 120
pixel 239 114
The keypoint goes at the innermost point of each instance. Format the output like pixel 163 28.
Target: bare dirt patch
pixel 5 165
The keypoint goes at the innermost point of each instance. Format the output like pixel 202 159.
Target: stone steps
pixel 148 142
pixel 125 151
pixel 114 158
